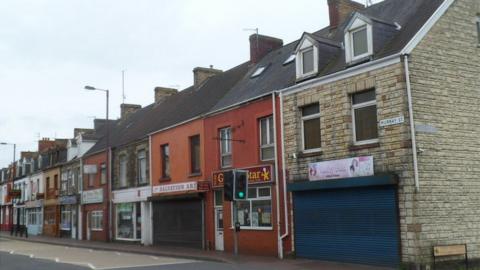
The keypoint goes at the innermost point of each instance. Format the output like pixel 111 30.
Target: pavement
pixel 117 255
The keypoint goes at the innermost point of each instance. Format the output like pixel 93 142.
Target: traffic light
pixel 241 185
pixel 228 186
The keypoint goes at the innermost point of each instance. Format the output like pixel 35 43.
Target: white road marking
pixel 91 266
pixel 153 257
pixel 31 256
pixel 142 265
pixel 57 260
pixel 12 251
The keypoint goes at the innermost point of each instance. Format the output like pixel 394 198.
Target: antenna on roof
pixel 123 87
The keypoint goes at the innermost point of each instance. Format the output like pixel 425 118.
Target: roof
pixel 411 15
pixel 177 108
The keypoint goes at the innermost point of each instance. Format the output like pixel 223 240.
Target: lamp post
pixel 107 147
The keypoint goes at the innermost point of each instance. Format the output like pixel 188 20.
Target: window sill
pixel 165 179
pixel 195 174
pixel 310 153
pixel 254 228
pixel 357 147
pixel 304 77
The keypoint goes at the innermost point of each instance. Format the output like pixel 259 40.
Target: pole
pixel 235 236
pixel 108 167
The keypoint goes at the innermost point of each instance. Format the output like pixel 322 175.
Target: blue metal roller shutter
pixel 355 225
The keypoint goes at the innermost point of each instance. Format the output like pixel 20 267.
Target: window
pixel 364 115
pixel 141 167
pixel 103 173
pixel 258 72
pixel 123 171
pixel 165 150
pixel 96 220
pixel 34 216
pixel 66 218
pixel 128 221
pixel 256 210
pixel 218 198
pixel 90 180
pixel 478 28
pixel 50 183
pixel 358 39
pixel 289 59
pixel 307 61
pixel 311 127
pixel 195 154
pixel 55 181
pixel 267 141
pixel 359 42
pixel 225 147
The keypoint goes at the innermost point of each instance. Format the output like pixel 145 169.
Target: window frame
pixel 103 171
pixel 358 25
pixel 306 118
pixel 94 215
pixel 270 137
pixel 360 106
pixel 304 74
pixel 230 152
pixel 122 181
pixel 164 175
pixel 140 180
pixel 193 156
pixel 250 200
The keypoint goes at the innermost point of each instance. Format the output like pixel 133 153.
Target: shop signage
pixel 392 121
pixel 68 199
pixel 34 204
pixel 92 196
pixel 256 175
pixel 187 186
pixel 90 169
pixel 342 168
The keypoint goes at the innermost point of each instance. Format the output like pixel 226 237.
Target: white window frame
pixel 94 216
pixel 135 236
pixel 263 198
pixel 270 137
pixel 123 182
pixel 228 151
pixel 305 118
pixel 103 168
pixel 358 25
pixel 306 44
pixel 359 106
pixel 139 172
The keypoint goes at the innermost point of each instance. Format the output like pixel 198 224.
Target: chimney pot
pixel 339 10
pixel 201 74
pixel 261 45
pixel 163 92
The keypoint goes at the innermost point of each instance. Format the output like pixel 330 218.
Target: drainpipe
pixel 277 188
pixel 284 171
pixel 412 124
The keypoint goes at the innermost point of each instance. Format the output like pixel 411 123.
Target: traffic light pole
pixel 235 230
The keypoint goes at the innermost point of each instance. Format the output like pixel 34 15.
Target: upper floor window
pixel 142 167
pixel 165 151
pixel 226 147
pixel 195 154
pixel 306 55
pixel 311 127
pixel 307 60
pixel 358 39
pixel 364 113
pixel 267 141
pixel 123 171
pixel 103 173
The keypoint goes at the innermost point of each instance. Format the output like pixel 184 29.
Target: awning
pixel 375 180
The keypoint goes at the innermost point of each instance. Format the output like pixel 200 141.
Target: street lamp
pixel 14 148
pixel 107 142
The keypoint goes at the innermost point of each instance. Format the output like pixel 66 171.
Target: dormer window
pixel 358 39
pixel 306 56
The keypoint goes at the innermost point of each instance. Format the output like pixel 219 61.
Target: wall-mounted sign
pixel 342 168
pixel 256 175
pixel 392 121
pixel 187 186
pixel 92 196
pixel 68 199
pixel 90 169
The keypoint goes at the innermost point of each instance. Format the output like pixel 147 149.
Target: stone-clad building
pixel 373 182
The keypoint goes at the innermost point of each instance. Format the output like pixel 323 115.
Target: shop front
pixel 178 214
pixel 346 213
pixel 51 217
pixel 34 216
pixel 68 216
pixel 132 214
pixel 255 214
pixel 95 215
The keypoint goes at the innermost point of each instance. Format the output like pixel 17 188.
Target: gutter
pixel 412 124
pixel 284 170
pixel 277 188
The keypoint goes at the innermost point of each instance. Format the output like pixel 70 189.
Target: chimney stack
pixel 340 9
pixel 261 45
pixel 98 123
pixel 127 109
pixel 201 74
pixel 44 144
pixel 163 92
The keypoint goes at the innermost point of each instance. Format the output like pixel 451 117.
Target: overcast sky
pixel 50 49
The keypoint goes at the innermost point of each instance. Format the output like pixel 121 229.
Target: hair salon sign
pixel 342 168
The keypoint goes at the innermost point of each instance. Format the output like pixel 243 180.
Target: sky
pixel 51 49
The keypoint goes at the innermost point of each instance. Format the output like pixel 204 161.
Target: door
pixel 219 229
pixel 74 222
pixel 88 226
pixel 354 225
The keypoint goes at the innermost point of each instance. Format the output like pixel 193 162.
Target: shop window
pixel 142 167
pixel 364 115
pixel 103 174
pixel 165 151
pixel 311 127
pixel 267 141
pixel 66 218
pixel 225 147
pixel 128 221
pixel 256 211
pixel 195 154
pixel 123 171
pixel 96 220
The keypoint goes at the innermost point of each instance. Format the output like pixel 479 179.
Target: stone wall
pixel 130 151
